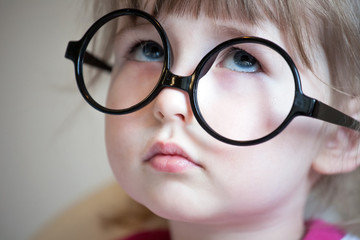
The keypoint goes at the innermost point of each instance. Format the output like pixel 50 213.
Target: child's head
pixel 165 160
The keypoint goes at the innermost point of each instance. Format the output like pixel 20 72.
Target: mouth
pixel 169 157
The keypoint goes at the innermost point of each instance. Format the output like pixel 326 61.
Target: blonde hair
pixel 332 25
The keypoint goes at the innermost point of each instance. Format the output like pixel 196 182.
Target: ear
pixel 340 152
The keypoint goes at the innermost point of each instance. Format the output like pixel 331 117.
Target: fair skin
pixel 225 191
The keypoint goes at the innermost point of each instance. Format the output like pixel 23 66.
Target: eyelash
pixel 234 50
pixel 133 46
pixel 140 45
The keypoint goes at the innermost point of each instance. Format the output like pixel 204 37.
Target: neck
pixel 291 228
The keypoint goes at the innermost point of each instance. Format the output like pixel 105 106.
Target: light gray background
pixel 52 148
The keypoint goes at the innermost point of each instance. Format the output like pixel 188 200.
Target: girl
pixel 235 149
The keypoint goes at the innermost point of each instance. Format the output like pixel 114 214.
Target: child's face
pixel 166 161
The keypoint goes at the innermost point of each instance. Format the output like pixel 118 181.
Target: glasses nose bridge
pixel 184 83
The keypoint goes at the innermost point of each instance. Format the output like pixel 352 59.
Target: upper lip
pixel 171 149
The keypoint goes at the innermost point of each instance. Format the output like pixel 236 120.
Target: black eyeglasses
pixel 245 91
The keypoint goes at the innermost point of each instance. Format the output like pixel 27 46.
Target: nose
pixel 172 103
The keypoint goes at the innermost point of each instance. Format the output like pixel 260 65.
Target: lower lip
pixel 171 164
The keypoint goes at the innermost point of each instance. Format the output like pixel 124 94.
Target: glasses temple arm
pixel 328 114
pixel 95 62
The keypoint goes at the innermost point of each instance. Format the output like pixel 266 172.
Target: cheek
pixel 122 144
pixel 136 78
pixel 260 178
pixel 115 137
pixel 244 106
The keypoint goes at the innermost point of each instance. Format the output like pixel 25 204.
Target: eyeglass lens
pixel 245 94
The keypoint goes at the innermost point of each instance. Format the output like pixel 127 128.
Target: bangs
pixel 279 12
pixel 240 10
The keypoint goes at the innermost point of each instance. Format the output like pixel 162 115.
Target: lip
pixel 169 157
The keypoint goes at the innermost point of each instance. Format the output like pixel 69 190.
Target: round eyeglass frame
pixel 302 104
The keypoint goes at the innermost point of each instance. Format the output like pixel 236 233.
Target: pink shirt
pixel 316 230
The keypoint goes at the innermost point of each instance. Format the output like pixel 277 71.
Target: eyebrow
pixel 132 26
pixel 231 31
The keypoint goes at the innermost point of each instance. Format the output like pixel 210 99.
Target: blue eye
pixel 240 61
pixel 147 51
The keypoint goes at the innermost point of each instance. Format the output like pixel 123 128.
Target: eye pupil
pixel 152 50
pixel 242 58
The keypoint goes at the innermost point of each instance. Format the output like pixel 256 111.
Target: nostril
pixel 171 105
pixel 180 116
pixel 160 115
